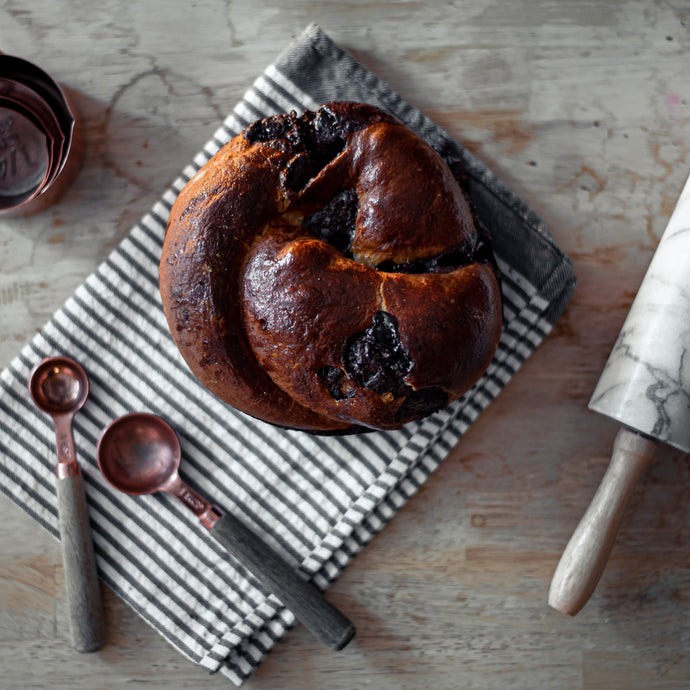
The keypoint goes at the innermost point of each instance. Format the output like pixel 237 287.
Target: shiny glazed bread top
pixel 325 272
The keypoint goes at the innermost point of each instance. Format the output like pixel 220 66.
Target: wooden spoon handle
pixel 308 604
pixel 587 552
pixel 84 602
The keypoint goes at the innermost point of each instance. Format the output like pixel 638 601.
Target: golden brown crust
pixel 324 273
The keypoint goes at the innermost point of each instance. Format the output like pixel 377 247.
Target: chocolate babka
pixel 326 272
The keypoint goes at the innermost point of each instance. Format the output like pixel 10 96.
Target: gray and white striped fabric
pixel 317 500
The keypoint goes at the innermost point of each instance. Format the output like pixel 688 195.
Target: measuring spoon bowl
pixel 139 453
pixel 59 386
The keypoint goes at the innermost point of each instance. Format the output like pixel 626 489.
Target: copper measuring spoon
pixel 59 386
pixel 140 454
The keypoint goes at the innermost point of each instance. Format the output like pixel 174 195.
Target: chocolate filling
pixel 315 139
pixel 335 381
pixel 375 358
pixel 335 222
pixel 448 260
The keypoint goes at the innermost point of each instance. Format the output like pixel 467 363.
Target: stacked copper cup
pixel 40 139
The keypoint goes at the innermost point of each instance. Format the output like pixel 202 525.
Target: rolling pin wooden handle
pixel 308 604
pixel 587 552
pixel 84 602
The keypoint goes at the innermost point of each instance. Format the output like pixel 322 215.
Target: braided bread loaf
pixel 325 272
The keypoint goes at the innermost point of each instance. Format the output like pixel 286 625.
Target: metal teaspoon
pixel 59 386
pixel 140 453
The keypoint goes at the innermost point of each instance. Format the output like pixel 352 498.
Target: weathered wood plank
pixel 582 108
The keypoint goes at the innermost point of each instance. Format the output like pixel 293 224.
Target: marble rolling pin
pixel 645 387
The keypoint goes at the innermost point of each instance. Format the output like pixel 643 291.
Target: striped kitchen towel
pixel 316 500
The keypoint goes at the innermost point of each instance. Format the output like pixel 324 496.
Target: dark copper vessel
pixel 41 141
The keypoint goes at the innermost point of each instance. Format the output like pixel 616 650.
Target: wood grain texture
pixel 582 108
pixel 329 625
pixel 585 556
pixel 82 587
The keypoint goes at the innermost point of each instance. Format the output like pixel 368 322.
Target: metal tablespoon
pixel 140 454
pixel 59 386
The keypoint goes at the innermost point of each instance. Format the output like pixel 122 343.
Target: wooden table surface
pixel 582 108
